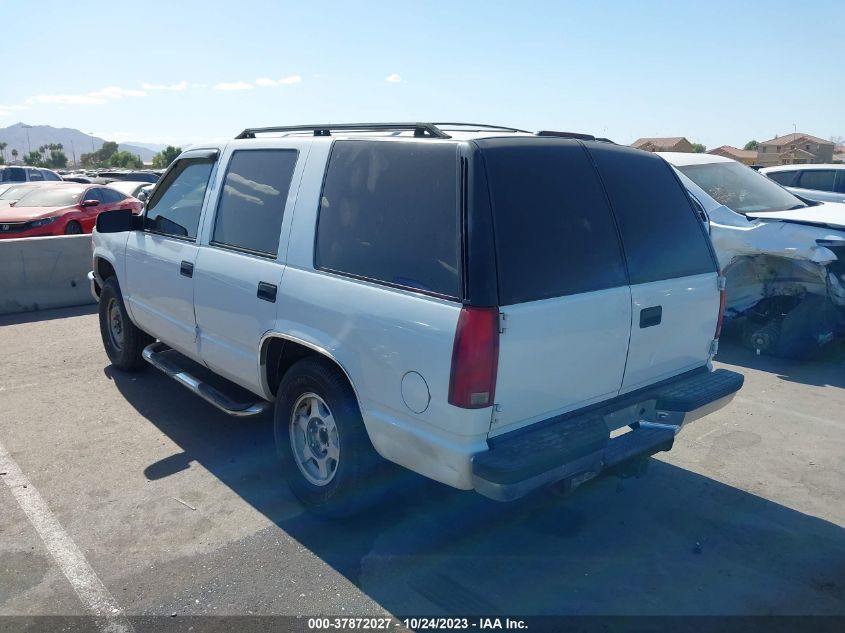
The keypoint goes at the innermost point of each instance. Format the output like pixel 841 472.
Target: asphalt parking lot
pixel 179 509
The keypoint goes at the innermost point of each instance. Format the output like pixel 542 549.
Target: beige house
pixel 664 144
pixel 794 149
pixel 744 156
pixel 839 154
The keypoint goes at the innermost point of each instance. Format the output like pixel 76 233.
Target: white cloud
pixel 394 78
pixel 177 87
pixel 103 95
pixel 13 107
pixel 266 82
pixel 113 92
pixel 234 85
pixel 66 99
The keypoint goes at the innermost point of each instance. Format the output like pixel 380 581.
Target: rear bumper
pixel 575 448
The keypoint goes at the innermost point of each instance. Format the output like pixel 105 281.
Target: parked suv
pixel 27 174
pixel 481 305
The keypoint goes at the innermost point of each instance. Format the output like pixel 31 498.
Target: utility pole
pixel 73 153
pixel 28 144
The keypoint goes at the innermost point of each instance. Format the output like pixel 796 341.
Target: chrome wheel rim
pixel 314 439
pixel 115 324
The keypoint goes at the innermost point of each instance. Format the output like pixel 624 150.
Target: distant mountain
pixel 73 141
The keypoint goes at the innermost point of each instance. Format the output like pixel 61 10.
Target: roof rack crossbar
pixel 427 130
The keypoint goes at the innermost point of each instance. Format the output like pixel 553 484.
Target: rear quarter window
pixel 389 213
pixel 661 233
pixel 554 231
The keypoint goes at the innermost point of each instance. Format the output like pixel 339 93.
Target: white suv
pixel 481 305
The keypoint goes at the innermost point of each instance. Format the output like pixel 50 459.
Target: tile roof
pixel 659 141
pixel 735 151
pixel 793 138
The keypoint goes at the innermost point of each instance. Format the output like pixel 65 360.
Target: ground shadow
pixel 824 368
pixel 673 542
pixel 47 315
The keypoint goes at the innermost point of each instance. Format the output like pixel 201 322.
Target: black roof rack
pixel 575 135
pixel 428 130
pixel 425 130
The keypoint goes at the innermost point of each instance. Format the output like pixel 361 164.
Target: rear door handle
pixel 186 269
pixel 267 292
pixel 650 317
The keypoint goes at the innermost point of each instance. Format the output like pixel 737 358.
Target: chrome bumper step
pixel 154 355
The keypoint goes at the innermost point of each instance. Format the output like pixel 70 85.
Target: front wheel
pixel 122 341
pixel 325 452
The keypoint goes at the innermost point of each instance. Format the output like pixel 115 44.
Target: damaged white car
pixel 783 256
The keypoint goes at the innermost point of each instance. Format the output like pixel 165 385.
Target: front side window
pixel 818 179
pixel 389 213
pixel 252 204
pixel 175 208
pixel 740 188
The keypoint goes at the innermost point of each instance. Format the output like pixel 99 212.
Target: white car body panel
pixel 561 354
pixel 682 340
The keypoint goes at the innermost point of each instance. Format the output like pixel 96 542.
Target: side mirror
pixel 90 203
pixel 118 221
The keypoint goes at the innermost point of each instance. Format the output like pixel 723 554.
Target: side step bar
pixel 154 356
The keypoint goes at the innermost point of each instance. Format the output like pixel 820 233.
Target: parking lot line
pixel 84 580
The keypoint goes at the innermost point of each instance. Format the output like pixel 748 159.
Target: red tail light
pixel 475 358
pixel 723 295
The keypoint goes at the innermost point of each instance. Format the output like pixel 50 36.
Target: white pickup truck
pixel 482 305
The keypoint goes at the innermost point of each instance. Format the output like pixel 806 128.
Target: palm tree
pixel 14 155
pixel 3 151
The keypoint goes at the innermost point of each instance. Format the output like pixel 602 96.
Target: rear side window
pixel 49 175
pixel 175 208
pixel 818 179
pixel 389 212
pixel 840 183
pixel 785 178
pixel 111 195
pixel 661 233
pixel 554 230
pixel 249 214
pixel 35 175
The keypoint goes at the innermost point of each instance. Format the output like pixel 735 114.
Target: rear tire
pixel 325 452
pixel 122 341
pixel 73 228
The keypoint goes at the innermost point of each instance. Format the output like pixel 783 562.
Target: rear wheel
pixel 122 341
pixel 73 228
pixel 325 452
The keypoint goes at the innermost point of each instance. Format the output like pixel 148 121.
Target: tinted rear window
pixel 555 234
pixel 662 235
pixel 389 213
pixel 785 178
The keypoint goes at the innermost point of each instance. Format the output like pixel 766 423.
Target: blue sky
pixel 185 70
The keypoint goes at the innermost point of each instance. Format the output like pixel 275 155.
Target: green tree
pixel 14 155
pixel 3 151
pixel 125 159
pixel 698 148
pixel 34 159
pixel 166 156
pixel 58 159
pixel 751 145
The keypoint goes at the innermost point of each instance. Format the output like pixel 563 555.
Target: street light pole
pixel 28 144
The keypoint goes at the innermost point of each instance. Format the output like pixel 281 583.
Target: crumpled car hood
pixel 826 214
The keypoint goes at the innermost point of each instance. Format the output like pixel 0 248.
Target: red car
pixel 61 209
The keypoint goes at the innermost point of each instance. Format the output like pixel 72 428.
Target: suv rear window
pixel 663 237
pixel 785 178
pixel 389 213
pixel 554 230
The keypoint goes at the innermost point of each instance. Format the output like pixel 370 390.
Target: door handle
pixel 650 317
pixel 267 292
pixel 186 269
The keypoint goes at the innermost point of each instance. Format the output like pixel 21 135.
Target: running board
pixel 154 356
